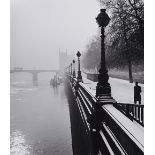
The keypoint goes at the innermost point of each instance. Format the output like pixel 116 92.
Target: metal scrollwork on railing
pixel 107 133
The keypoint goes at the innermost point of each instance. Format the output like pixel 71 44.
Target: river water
pixel 40 120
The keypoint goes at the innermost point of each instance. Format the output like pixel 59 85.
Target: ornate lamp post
pixel 67 70
pixel 79 77
pixel 103 87
pixel 74 69
pixel 71 68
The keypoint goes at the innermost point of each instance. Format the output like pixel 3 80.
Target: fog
pixel 39 28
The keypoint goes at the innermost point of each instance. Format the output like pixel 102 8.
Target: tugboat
pixel 60 79
pixel 51 82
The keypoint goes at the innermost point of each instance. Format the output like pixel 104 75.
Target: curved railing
pixel 116 134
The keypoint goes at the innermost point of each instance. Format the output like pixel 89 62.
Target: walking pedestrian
pixel 137 93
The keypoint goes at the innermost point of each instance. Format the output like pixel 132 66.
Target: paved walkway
pixel 122 90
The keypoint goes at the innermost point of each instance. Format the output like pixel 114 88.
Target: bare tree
pixel 126 27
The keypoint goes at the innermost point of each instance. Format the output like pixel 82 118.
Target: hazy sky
pixel 40 27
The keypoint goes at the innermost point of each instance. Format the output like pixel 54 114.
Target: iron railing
pixel 112 137
pixel 132 111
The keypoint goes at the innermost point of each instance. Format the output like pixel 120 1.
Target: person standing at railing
pixel 137 93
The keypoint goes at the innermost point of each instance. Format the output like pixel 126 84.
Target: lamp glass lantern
pixel 102 19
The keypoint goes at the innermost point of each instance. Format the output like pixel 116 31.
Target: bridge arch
pixel 34 73
pixel 21 76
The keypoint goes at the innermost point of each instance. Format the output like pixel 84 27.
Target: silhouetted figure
pixel 137 95
pixel 95 126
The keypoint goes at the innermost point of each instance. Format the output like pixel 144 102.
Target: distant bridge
pixel 34 72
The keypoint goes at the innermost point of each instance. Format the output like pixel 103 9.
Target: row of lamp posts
pixel 103 87
pixel 71 68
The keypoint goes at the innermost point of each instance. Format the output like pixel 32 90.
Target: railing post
pixel 127 110
pixel 142 115
pixel 134 111
pixel 139 113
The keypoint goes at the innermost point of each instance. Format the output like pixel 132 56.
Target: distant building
pixel 65 60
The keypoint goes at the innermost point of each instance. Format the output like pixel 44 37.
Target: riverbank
pixel 124 75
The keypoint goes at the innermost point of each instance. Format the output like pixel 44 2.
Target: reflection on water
pixel 35 83
pixel 40 122
pixel 18 144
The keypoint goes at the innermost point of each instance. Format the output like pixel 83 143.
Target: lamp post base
pixel 79 78
pixel 103 87
pixel 103 90
pixel 103 94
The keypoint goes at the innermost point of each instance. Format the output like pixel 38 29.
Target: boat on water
pixel 57 80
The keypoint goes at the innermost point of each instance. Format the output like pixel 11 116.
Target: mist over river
pixel 40 119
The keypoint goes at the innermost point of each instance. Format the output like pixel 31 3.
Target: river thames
pixel 40 119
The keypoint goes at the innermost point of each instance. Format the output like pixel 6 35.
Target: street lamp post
pixel 79 77
pixel 103 87
pixel 74 69
pixel 71 68
pixel 67 70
